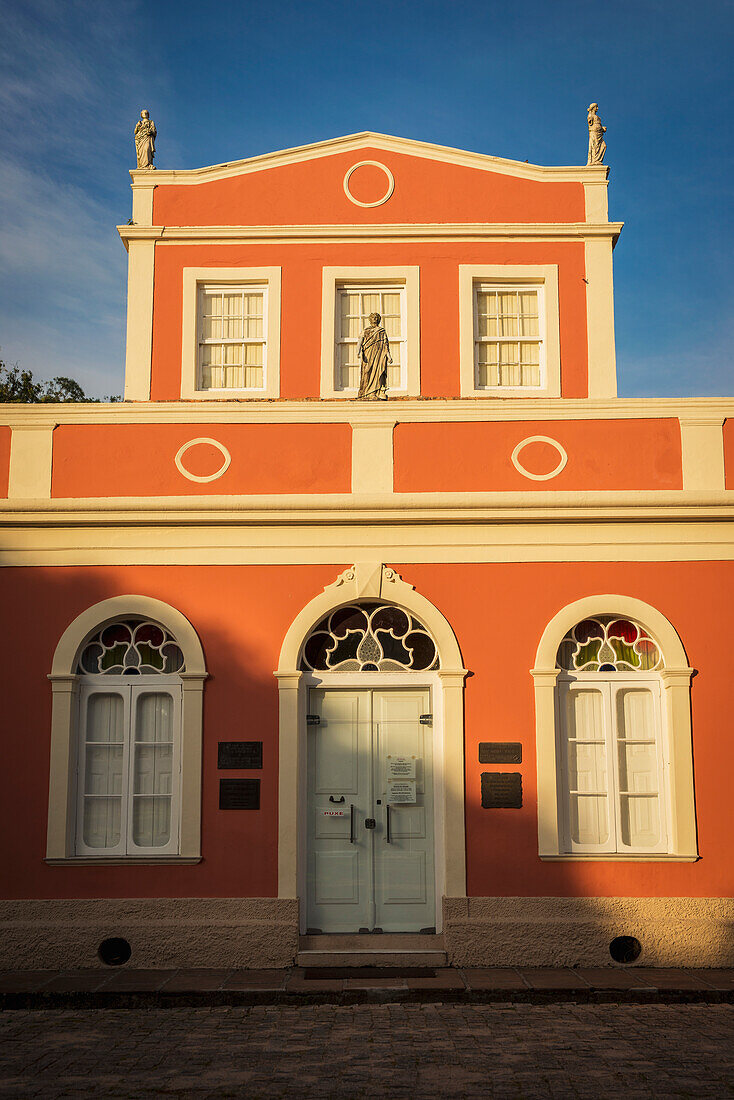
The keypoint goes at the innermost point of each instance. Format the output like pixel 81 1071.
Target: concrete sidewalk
pixel 121 987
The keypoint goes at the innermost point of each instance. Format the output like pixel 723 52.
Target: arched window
pixel 127 683
pixel 369 637
pixel 129 741
pixel 611 738
pixel 615 775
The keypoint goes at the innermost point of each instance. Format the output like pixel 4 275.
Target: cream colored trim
pixel 121 861
pixel 375 164
pixel 600 319
pixel 595 199
pixel 702 447
pixel 348 410
pixel 416 232
pixel 65 694
pixel 239 276
pixel 561 465
pixel 143 202
pixel 545 275
pixel 372 457
pixel 611 857
pixel 139 346
pixel 226 459
pixel 675 678
pixel 31 456
pixel 369 579
pixel 332 277
pixel 386 142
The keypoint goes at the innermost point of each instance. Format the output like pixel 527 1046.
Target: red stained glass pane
pixel 391 618
pixel 115 634
pixel 149 633
pixel 347 618
pixel 624 629
pixel 588 629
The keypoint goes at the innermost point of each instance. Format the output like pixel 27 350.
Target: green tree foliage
pixel 20 386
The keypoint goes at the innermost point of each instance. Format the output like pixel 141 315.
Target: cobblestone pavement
pixel 411 1051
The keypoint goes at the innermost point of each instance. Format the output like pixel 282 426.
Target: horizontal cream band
pixel 443 231
pixel 196 544
pixel 352 411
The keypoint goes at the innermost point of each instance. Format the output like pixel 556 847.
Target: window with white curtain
pixel 353 307
pixel 611 739
pixel 129 742
pixel 508 336
pixel 232 337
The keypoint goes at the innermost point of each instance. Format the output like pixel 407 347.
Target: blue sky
pixel 233 79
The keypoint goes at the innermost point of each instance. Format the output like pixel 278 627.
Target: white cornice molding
pixel 385 142
pixel 438 231
pixel 351 411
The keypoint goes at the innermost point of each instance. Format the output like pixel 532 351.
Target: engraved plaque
pixel 501 790
pixel 240 754
pixel 500 752
pixel 239 794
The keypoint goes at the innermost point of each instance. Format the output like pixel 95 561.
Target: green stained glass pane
pixel 114 656
pixel 624 652
pixel 588 653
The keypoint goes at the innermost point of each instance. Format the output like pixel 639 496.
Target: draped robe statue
pixel 373 356
pixel 597 144
pixel 145 134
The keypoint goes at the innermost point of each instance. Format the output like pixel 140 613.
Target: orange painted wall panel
pixel 138 459
pixel 5 436
pixel 312 193
pixel 301 304
pixel 476 457
pixel 498 613
pixel 728 433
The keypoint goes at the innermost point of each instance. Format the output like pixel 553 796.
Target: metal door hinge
pixel 426 719
pixel 313 719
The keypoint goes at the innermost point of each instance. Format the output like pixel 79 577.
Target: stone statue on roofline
pixel 597 144
pixel 145 135
pixel 373 356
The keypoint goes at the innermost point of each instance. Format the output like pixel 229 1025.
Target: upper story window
pixel 354 307
pixel 231 333
pixel 509 331
pixel 232 337
pixel 349 297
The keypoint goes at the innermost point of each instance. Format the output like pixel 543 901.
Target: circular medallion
pixel 563 457
pixel 374 164
pixel 226 457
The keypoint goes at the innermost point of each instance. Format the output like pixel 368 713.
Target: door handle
pixel 351 823
pixel 387 830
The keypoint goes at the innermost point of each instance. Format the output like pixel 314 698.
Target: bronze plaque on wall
pixel 500 752
pixel 239 794
pixel 240 754
pixel 501 790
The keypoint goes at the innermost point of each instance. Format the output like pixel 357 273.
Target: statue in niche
pixel 373 356
pixel 597 144
pixel 145 134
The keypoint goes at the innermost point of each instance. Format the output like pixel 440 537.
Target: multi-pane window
pixel 611 739
pixel 129 742
pixel 354 304
pixel 232 337
pixel 508 345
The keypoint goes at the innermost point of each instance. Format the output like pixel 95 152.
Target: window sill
pixel 617 857
pixel 119 861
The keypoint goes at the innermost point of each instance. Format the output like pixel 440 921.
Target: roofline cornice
pixel 483 162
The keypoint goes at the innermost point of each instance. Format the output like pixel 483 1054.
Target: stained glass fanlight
pixel 369 637
pixel 607 644
pixel 131 647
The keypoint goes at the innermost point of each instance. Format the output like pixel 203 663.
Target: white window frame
pixel 130 688
pixel 542 277
pixel 676 743
pixel 609 687
pixel 365 278
pixel 230 278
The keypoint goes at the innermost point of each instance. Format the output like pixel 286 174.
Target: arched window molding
pixel 372 581
pixel 675 679
pixel 64 717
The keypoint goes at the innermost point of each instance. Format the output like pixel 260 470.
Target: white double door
pixel 370 856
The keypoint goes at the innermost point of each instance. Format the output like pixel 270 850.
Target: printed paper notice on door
pixel 401 791
pixel 400 767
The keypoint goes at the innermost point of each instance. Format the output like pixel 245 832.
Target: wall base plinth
pixel 692 932
pixel 163 933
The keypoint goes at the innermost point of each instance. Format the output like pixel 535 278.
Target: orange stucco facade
pixel 238 520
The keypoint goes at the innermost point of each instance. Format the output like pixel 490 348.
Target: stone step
pixel 373 957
